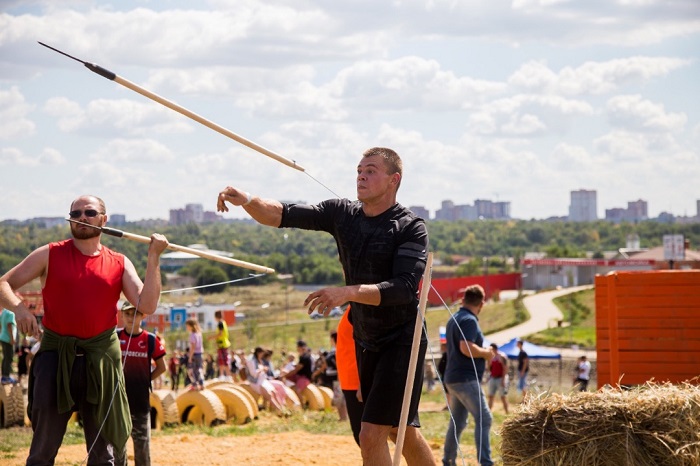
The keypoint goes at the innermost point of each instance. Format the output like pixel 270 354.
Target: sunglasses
pixel 79 213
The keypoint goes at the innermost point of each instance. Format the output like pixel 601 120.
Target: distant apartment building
pixel 584 206
pixel 482 209
pixel 636 211
pixel 192 213
pixel 446 211
pixel 489 209
pixel 117 219
pixel 420 211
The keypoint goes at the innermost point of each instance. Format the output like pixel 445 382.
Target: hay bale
pixel 649 424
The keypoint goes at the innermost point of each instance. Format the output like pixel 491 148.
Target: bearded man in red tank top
pixel 78 366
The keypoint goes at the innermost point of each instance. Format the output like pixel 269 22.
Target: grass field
pixel 278 328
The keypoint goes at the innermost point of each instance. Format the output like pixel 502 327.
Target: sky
pixel 520 101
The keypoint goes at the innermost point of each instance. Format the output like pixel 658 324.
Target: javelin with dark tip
pixel 180 109
pixel 177 247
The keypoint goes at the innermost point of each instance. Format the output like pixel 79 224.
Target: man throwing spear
pixel 78 367
pixel 383 249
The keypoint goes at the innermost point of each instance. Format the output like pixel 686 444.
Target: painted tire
pixel 164 409
pixel 238 407
pixel 12 407
pixel 311 398
pixel 201 407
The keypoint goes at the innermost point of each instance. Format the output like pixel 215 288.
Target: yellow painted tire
pixel 238 407
pixel 12 407
pixel 251 400
pixel 215 383
pixel 256 397
pixel 327 394
pixel 293 402
pixel 311 398
pixel 164 409
pixel 201 407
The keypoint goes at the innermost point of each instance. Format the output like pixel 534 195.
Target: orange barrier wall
pixel 648 326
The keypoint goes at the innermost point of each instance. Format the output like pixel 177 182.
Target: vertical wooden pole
pixel 410 377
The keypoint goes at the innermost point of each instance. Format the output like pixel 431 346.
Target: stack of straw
pixel 653 424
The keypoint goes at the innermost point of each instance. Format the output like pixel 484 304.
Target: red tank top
pixel 81 292
pixel 497 368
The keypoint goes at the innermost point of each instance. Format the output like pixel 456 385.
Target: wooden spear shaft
pixel 177 247
pixel 413 362
pixel 105 73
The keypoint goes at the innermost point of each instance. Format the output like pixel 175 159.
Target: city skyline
pixel 197 213
pixel 522 101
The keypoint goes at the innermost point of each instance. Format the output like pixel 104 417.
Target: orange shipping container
pixel 648 326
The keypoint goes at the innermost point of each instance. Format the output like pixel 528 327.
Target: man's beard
pixel 84 234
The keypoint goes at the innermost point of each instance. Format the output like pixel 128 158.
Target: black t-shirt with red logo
pixel 136 359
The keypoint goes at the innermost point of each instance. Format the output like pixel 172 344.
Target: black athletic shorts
pixel 383 378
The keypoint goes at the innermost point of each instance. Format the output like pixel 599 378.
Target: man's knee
pixel 373 434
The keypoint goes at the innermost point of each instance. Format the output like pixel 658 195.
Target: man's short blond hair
pixel 391 159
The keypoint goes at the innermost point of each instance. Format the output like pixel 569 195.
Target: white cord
pixel 481 422
pixel 116 386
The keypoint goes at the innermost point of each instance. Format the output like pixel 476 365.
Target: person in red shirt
pixel 498 378
pixel 78 366
pixel 348 375
pixel 139 350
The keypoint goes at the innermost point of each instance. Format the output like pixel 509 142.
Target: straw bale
pixel 653 424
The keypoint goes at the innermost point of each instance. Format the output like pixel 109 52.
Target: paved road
pixel 543 315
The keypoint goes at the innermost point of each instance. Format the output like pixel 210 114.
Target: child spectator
pixel 261 384
pixel 235 365
pixel 184 362
pixel 174 370
pixel 332 378
pixel 139 348
pixel 301 374
pixel 209 371
pixel 223 345
pixel 7 340
pixel 23 353
pixel 195 355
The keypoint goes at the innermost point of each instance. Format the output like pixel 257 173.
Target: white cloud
pixel 12 156
pixel 593 77
pixel 51 156
pixel 631 147
pixel 14 110
pixel 113 117
pixel 633 113
pixel 134 151
pixel 532 115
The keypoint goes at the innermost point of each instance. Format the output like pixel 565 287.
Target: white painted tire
pixel 164 409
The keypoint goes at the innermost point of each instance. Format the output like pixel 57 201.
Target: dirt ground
pixel 298 448
pixel 289 449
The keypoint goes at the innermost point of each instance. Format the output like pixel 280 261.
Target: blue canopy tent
pixel 533 351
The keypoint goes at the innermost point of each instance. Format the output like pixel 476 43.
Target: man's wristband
pixel 249 199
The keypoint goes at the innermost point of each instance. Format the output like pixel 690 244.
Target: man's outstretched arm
pixel 264 211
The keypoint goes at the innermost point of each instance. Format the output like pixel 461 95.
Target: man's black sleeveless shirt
pixel 389 250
